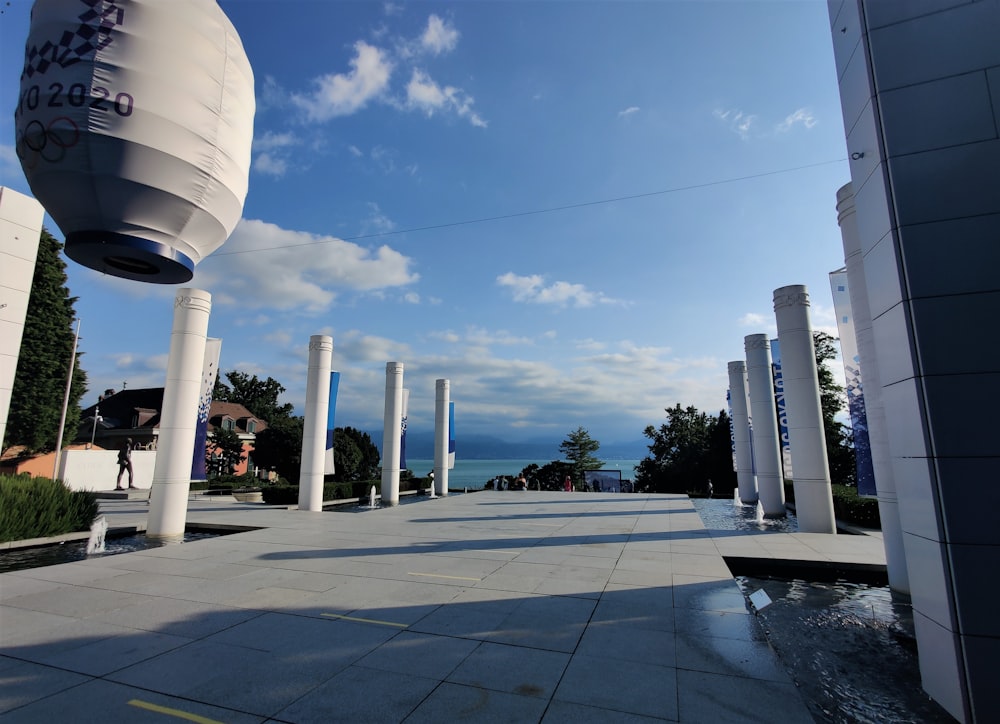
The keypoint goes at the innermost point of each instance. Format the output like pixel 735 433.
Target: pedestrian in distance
pixel 125 464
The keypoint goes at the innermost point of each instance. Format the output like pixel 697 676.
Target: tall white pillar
pixel 878 434
pixel 766 444
pixel 442 398
pixel 745 480
pixel 813 494
pixel 311 472
pixel 390 432
pixel 20 228
pixel 168 497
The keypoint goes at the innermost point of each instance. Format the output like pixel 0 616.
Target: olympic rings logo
pixel 48 143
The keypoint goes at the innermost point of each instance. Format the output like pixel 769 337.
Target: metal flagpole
pixel 62 419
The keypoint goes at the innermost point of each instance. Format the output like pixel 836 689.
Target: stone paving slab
pixel 493 606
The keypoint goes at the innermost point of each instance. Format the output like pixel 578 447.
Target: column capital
pixel 791 296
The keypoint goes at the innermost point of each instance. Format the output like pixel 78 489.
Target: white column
pixel 390 432
pixel 741 432
pixel 311 472
pixel 442 396
pixel 766 445
pixel 20 228
pixel 813 495
pixel 168 496
pixel 878 435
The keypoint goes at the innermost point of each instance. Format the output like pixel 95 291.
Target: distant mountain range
pixel 420 446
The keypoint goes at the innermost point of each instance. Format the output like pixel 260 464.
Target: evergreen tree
pixel 355 456
pixel 579 448
pixel 46 347
pixel 278 447
pixel 685 452
pixel 839 439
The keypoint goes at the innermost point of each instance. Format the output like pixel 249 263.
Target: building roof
pixel 122 410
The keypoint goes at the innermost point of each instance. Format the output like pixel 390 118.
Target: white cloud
pixel 269 141
pixel 355 346
pixel 270 165
pixel 341 94
pixel 355 151
pixel 423 93
pixel 753 319
pixel 439 36
pixel 313 269
pixel 738 121
pixel 628 111
pixel 484 338
pixel 270 148
pixel 447 336
pixel 589 345
pixel 533 290
pixel 802 115
pixel 411 298
pixel 377 222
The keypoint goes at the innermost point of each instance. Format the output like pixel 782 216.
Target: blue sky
pixel 575 211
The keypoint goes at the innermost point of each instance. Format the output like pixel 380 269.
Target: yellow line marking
pixel 441 575
pixel 365 620
pixel 172 712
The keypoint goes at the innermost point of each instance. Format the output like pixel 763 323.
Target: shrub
pixel 281 494
pixel 284 494
pixel 41 507
pixel 849 507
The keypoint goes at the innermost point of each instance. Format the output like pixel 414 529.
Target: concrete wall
pixel 98 469
pixel 920 93
pixel 20 227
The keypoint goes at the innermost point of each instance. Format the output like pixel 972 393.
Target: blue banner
pixel 329 466
pixel 402 429
pixel 732 430
pixel 779 403
pixel 855 390
pixel 209 371
pixel 451 435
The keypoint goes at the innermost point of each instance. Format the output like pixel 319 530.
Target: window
pixel 229 424
pixel 251 426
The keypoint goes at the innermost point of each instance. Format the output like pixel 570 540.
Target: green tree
pixel 685 452
pixel 224 452
pixel 258 396
pixel 36 400
pixel 278 447
pixel 720 455
pixel 549 476
pixel 839 438
pixel 579 448
pixel 355 456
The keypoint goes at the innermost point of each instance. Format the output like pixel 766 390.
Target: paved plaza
pixel 486 607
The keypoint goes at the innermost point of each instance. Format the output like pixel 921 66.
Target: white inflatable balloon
pixel 133 128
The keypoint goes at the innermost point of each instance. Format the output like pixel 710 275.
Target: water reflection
pixel 19 559
pixel 718 514
pixel 849 647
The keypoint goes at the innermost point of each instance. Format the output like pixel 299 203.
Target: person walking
pixel 125 464
pixel 568 484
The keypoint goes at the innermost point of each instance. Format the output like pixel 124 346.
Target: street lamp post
pixel 97 419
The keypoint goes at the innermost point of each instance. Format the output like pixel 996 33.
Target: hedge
pixel 289 494
pixel 848 506
pixel 41 507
